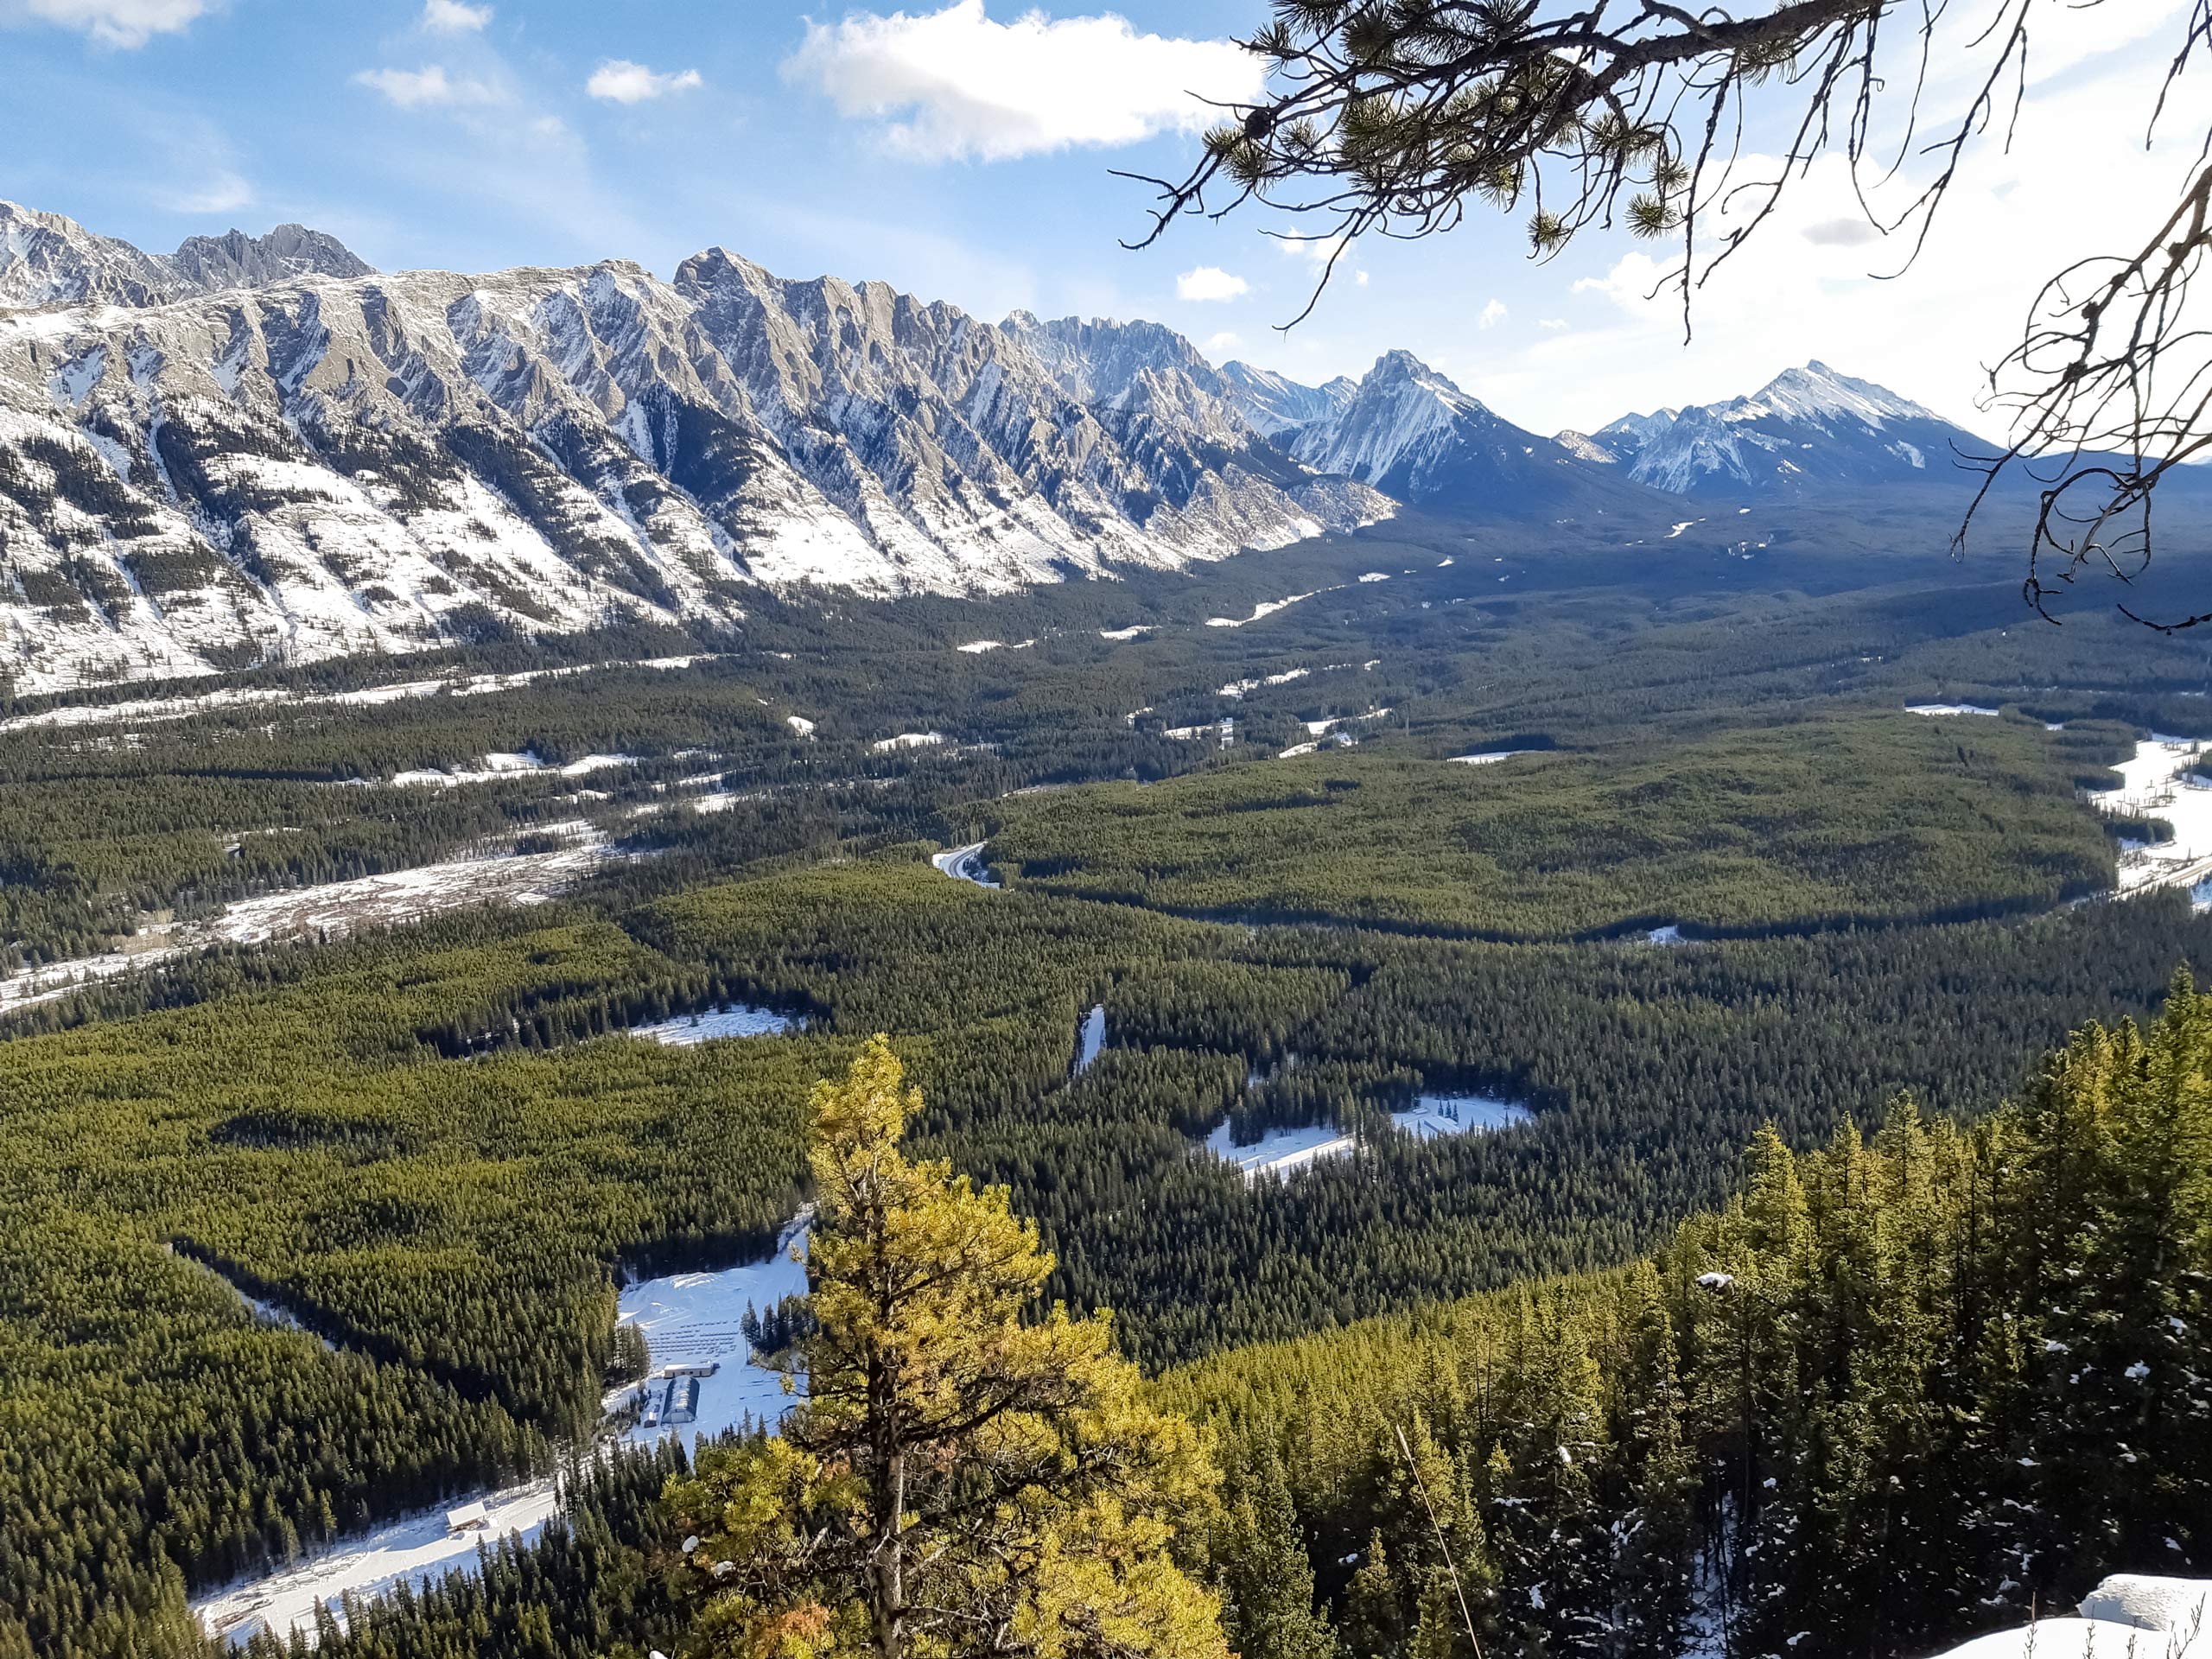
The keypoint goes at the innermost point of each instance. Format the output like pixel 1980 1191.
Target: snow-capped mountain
pixel 1805 430
pixel 326 464
pixel 1408 431
pixel 1276 405
pixel 47 260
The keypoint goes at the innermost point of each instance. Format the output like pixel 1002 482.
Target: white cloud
pixel 619 81
pixel 1492 314
pixel 222 192
pixel 969 87
pixel 452 17
pixel 1225 341
pixel 1210 282
pixel 1630 283
pixel 428 87
pixel 113 22
pixel 1360 278
pixel 1553 324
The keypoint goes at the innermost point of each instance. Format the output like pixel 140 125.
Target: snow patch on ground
pixel 1266 607
pixel 1284 1152
pixel 965 864
pixel 1090 1039
pixel 730 1019
pixel 1488 757
pixel 1130 632
pixel 908 741
pixel 413 1550
pixel 692 1321
pixel 333 909
pixel 1935 710
pixel 2157 783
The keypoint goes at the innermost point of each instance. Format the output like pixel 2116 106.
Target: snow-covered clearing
pixel 1375 575
pixel 965 864
pixel 2157 783
pixel 492 769
pixel 977 647
pixel 1670 934
pixel 730 1019
pixel 1937 709
pixel 414 1550
pixel 1488 757
pixel 908 741
pixel 1284 1152
pixel 333 909
pixel 1264 608
pixel 1130 632
pixel 691 1322
pixel 1090 1039
pixel 1684 525
pixel 799 724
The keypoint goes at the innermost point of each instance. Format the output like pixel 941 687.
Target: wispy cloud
pixel 619 81
pixel 429 87
pixel 223 191
pixel 1492 314
pixel 452 17
pixel 1210 282
pixel 127 23
pixel 966 86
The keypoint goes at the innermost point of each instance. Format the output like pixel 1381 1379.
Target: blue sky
pixel 962 151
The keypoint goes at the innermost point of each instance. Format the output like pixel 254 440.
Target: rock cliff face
pixel 314 460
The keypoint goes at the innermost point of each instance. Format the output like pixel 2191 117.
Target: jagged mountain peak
pixel 49 260
pixel 1807 429
pixel 235 259
pixel 1817 392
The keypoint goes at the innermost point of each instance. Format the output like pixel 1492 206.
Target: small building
pixel 682 1402
pixel 469 1517
pixel 702 1368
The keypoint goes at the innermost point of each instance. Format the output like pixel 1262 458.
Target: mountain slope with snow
pixel 302 466
pixel 1807 430
pixel 1275 405
pixel 1410 432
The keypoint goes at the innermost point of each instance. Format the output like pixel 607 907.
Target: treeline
pixel 1913 1386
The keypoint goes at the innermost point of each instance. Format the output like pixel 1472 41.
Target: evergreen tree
pixel 958 1480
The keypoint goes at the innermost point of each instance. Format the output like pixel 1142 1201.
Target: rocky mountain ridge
pixel 47 260
pixel 329 463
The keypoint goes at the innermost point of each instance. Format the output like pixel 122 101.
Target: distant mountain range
pixel 1805 431
pixel 259 449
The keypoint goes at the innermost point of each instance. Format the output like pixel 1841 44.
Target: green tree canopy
pixel 959 1479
